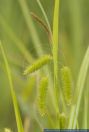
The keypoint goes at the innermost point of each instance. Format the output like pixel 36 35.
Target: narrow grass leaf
pixel 16 109
pixel 80 87
pixel 44 14
pixel 81 82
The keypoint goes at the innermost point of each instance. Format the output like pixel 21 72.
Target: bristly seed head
pixel 38 64
pixel 41 99
pixel 67 86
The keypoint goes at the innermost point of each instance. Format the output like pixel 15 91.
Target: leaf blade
pixel 15 104
pixel 80 87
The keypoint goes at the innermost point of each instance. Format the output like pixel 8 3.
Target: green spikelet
pixel 66 79
pixel 41 99
pixel 38 64
pixel 62 121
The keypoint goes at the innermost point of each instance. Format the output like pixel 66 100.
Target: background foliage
pixel 21 50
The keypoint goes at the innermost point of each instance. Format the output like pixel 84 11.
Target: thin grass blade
pixel 80 86
pixel 14 99
pixel 44 14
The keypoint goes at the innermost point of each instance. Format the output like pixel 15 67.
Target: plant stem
pixel 55 48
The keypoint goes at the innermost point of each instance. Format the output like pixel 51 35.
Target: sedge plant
pixel 58 97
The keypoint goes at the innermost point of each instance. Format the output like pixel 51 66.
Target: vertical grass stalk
pixel 55 47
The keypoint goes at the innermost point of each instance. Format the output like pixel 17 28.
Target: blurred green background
pixel 20 49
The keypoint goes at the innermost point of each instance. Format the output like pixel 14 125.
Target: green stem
pixel 55 48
